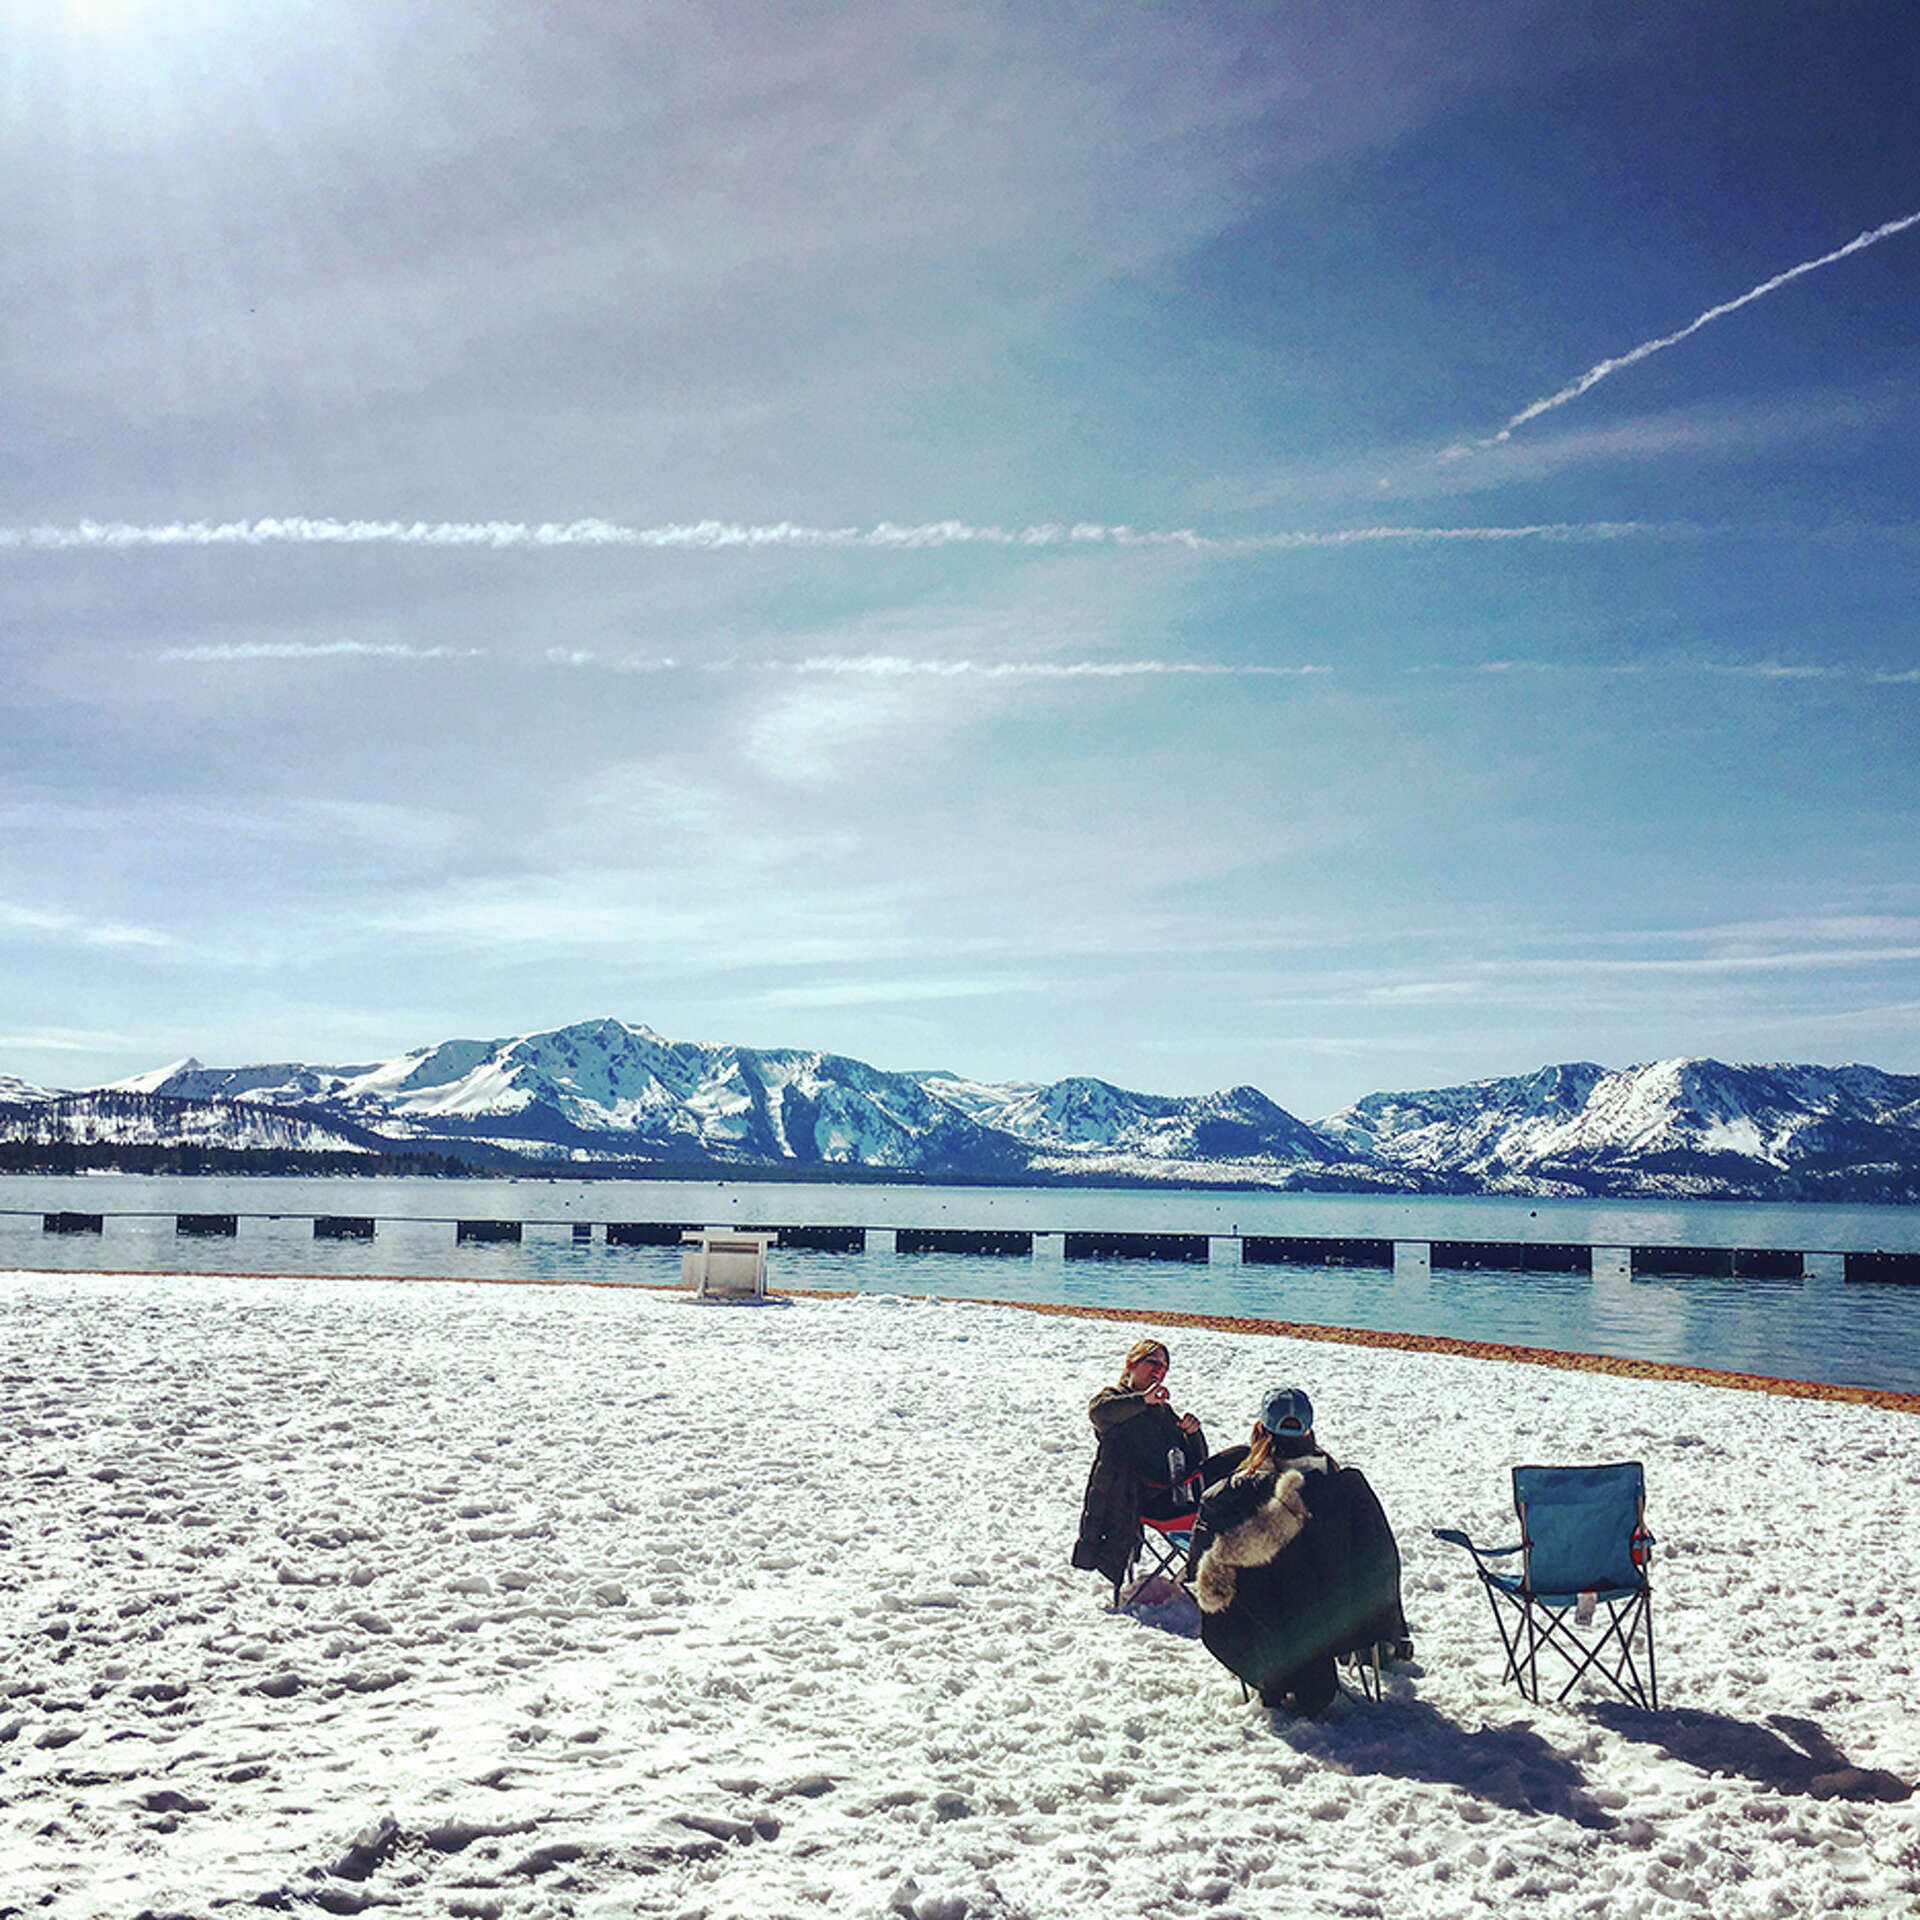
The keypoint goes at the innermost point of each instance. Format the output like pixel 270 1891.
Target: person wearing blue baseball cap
pixel 1287 1413
pixel 1293 1562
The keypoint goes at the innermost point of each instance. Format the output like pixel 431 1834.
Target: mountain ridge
pixel 608 1093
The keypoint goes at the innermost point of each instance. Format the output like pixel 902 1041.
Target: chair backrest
pixel 1578 1525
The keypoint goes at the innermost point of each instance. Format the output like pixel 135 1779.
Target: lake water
pixel 1815 1328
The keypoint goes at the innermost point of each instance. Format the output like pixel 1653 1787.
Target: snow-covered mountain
pixel 139 1119
pixel 605 1090
pixel 1674 1126
pixel 1085 1125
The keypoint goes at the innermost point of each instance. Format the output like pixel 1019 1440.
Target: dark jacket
pixel 1145 1464
pixel 1292 1567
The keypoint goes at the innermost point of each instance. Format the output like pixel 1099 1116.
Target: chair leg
pixel 1653 1679
pixel 1512 1643
pixel 1365 1664
pixel 1609 1657
pixel 1164 1560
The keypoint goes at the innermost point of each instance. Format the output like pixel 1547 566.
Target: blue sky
pixel 975 537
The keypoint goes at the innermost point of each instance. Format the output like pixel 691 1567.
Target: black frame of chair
pixel 1165 1544
pixel 1364 1664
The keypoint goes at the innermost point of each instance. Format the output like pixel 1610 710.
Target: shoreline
pixel 1888 1399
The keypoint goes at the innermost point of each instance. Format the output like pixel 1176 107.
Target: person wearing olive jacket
pixel 1147 1462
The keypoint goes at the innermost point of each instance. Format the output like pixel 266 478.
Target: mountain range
pixel 607 1095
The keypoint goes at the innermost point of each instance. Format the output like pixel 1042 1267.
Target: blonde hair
pixel 1141 1350
pixel 1258 1454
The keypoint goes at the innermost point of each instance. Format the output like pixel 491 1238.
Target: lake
pixel 1814 1328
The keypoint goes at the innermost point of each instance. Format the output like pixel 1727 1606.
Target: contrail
pixel 887 666
pixel 890 666
pixel 719 535
pixel 696 535
pixel 1595 374
pixel 318 650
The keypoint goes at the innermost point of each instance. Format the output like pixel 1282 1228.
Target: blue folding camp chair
pixel 1582 1592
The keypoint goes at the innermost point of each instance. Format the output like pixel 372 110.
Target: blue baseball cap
pixel 1287 1410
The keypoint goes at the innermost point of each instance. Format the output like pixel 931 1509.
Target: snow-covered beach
pixel 477 1600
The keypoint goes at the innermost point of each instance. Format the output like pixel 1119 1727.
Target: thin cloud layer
pixel 803 518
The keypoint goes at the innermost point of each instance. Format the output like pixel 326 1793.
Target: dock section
pixel 1408 1259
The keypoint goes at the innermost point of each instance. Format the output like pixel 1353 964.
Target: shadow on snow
pixel 1716 1743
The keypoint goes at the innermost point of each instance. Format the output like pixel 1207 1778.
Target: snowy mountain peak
pixel 155 1079
pixel 607 1090
pixel 1681 1125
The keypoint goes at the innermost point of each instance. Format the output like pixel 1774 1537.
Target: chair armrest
pixel 1454 1538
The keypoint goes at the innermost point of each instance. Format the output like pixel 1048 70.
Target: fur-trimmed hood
pixel 1262 1536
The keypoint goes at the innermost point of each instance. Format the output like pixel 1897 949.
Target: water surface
pixel 1813 1329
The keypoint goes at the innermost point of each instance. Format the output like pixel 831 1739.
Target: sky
pixel 1340 548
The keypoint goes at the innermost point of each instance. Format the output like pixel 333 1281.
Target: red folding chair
pixel 1165 1540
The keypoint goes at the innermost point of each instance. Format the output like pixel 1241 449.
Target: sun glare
pixel 124 19
pixel 107 17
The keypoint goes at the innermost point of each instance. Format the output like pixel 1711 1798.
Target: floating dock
pixel 1307 1250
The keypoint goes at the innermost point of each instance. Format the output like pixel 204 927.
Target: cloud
pixel 318 650
pixel 1778 962
pixel 684 181
pixel 695 917
pixel 888 666
pixel 412 832
pixel 837 714
pixel 723 536
pixel 1777 671
pixel 1426 992
pixel 70 926
pixel 1604 369
pixel 1902 1011
pixel 893 667
pixel 1820 930
pixel 70 1040
pixel 881 668
pixel 819 734
pixel 877 993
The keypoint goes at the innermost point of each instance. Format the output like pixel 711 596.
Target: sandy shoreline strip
pixel 1886 1397
pixel 1495 1350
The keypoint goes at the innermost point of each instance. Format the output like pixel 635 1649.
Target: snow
pixel 458 1599
pixel 1580 1114
pixel 154 1078
pixel 1551 1132
pixel 120 1119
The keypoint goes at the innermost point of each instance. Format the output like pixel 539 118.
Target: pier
pixel 1607 1262
pixel 1304 1250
